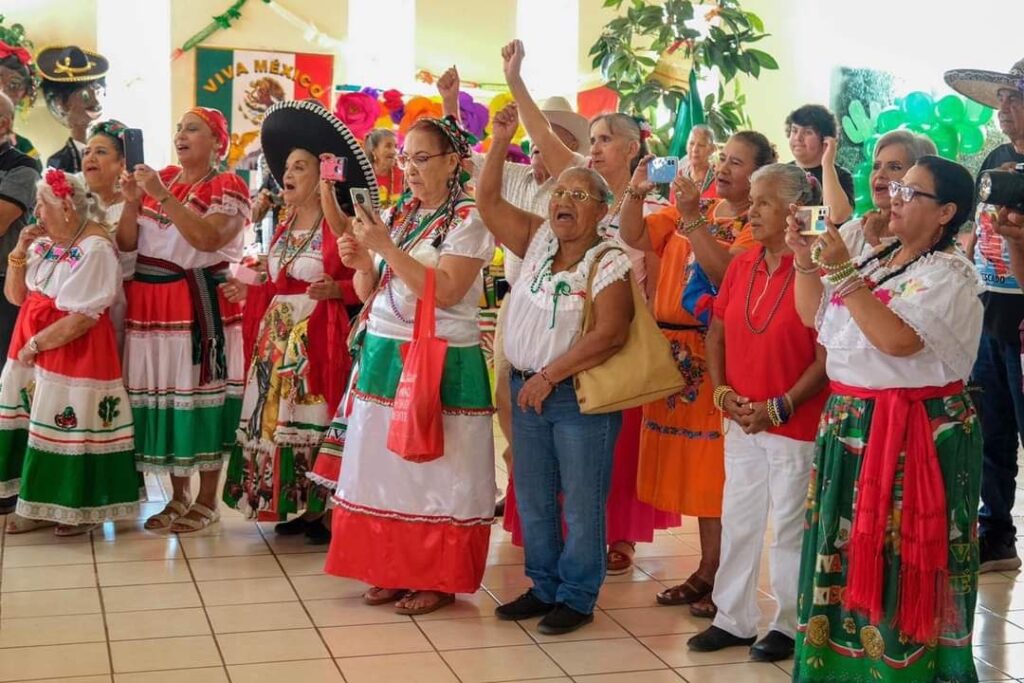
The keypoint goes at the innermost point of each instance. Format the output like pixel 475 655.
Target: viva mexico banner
pixel 243 84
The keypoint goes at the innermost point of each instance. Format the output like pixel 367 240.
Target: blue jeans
pixel 998 372
pixel 562 451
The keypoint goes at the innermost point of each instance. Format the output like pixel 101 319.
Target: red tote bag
pixel 417 432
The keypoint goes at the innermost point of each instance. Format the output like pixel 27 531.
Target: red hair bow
pixel 21 53
pixel 58 183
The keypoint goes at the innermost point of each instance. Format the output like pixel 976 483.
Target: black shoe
pixel 317 533
pixel 526 606
pixel 499 508
pixel 714 639
pixel 295 527
pixel 8 504
pixel 998 555
pixel 563 619
pixel 774 647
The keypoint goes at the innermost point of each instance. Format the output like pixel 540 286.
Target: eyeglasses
pixel 576 195
pixel 907 193
pixel 418 160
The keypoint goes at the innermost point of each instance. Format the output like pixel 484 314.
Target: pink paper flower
pixel 358 111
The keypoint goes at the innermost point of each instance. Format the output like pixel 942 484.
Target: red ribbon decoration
pixel 23 55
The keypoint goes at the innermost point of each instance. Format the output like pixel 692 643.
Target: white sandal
pixel 16 524
pixel 186 525
pixel 163 519
pixel 65 530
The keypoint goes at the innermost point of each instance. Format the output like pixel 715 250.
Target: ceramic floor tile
pixel 505 553
pixel 673 651
pixel 289 545
pixel 165 623
pixel 734 673
pixel 76 679
pixel 658 621
pixel 324 587
pixel 47 555
pixel 44 537
pixel 351 612
pixel 53 661
pixel 136 573
pixel 986 673
pixel 669 569
pixel 602 656
pixel 138 550
pixel 246 591
pixel 313 671
pixel 163 654
pixel 506 576
pixel 480 604
pixel 50 603
pixel 25 632
pixel 260 617
pixel 422 667
pixel 1006 658
pixel 633 677
pixel 195 548
pixel 271 646
pixel 990 629
pixel 203 675
pixel 459 634
pixel 664 546
pixel 303 564
pixel 501 664
pixel 375 639
pixel 229 568
pixel 48 578
pixel 150 597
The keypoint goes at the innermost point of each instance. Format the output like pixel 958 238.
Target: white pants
pixel 760 468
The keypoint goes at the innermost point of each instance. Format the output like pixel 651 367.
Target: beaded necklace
pixel 405 237
pixel 56 262
pixel 286 241
pixel 778 301
pixel 545 273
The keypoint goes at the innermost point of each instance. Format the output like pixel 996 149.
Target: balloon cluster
pixel 956 125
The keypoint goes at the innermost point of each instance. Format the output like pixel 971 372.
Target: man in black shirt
pixel 809 129
pixel 997 371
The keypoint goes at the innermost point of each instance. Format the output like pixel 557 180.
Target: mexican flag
pixel 243 84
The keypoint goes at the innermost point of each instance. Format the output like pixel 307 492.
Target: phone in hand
pixel 661 170
pixel 133 152
pixel 333 169
pixel 813 220
pixel 361 197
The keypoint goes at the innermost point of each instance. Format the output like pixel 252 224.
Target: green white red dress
pixel 66 436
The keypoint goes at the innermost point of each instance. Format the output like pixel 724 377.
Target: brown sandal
pixel 686 593
pixel 704 608
pixel 443 600
pixel 382 596
pixel 619 561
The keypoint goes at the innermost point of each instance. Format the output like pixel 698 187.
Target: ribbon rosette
pixel 58 183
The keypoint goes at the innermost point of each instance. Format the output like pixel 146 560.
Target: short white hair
pixel 86 203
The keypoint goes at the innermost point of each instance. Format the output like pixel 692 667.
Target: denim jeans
pixel 562 451
pixel 998 372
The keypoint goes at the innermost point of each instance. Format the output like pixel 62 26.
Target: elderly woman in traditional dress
pixel 62 379
pixel 890 555
pixel 183 339
pixel 417 531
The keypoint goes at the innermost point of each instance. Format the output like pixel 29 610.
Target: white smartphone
pixel 361 196
pixel 813 220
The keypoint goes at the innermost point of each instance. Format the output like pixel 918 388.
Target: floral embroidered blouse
pixel 83 279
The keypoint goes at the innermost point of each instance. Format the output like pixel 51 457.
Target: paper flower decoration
pixel 416 109
pixel 499 102
pixel 474 115
pixel 516 156
pixel 357 110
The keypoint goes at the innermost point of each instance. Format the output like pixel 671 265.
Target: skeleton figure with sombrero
pixel 998 368
pixel 73 87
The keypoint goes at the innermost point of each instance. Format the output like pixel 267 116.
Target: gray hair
pixel 86 203
pixel 793 184
pixel 598 185
pixel 917 146
pixel 705 130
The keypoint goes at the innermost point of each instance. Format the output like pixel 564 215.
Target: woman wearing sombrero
pixel 296 321
pixel 183 361
pixel 417 532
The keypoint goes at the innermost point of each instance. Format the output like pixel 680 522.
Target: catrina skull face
pixel 80 107
pixel 14 83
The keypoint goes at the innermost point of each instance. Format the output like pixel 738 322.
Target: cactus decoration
pixel 108 410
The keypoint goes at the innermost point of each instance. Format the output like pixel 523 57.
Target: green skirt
pixel 836 645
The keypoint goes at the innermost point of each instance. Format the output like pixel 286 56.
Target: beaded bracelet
pixel 777 413
pixel 721 391
pixel 634 193
pixel 841 274
pixel 688 227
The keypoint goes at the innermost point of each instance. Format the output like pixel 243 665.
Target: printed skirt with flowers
pixel 66 437
pixel 836 645
pixel 420 526
pixel 282 423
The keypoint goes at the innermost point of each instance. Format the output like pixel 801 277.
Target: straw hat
pixel 984 86
pixel 560 113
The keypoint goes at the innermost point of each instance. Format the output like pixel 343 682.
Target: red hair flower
pixel 58 183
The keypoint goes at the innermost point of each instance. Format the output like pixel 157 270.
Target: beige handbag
pixel 642 371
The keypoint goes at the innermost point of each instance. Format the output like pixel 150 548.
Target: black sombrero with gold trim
pixel 71 64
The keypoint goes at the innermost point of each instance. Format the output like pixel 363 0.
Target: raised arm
pixel 712 256
pixel 832 191
pixel 448 86
pixel 632 229
pixel 510 225
pixel 557 157
pixel 15 289
pixel 807 287
pixel 336 219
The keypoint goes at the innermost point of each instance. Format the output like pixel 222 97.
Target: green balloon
pixel 944 136
pixel 972 138
pixel 869 146
pixel 889 119
pixel 919 106
pixel 862 205
pixel 950 109
pixel 977 113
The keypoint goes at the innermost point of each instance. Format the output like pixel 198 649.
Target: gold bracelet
pixel 634 193
pixel 16 261
pixel 689 227
pixel 718 398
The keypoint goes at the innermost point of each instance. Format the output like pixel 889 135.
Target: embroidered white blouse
pixel 546 309
pixel 308 266
pixel 84 280
pixel 937 296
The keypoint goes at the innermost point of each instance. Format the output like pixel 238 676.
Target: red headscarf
pixel 217 124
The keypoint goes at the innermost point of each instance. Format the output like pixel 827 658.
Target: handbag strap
pixel 424 326
pixel 588 299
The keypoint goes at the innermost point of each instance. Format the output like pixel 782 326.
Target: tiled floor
pixel 235 603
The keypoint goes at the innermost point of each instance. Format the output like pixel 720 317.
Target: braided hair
pixel 953 185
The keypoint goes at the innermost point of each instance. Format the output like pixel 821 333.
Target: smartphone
pixel 661 170
pixel 813 220
pixel 361 196
pixel 333 169
pixel 133 154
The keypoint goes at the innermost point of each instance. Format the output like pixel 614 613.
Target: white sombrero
pixel 559 112
pixel 984 86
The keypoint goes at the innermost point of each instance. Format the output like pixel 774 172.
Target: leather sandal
pixel 163 519
pixel 443 600
pixel 620 561
pixel 704 608
pixel 382 596
pixel 187 525
pixel 686 593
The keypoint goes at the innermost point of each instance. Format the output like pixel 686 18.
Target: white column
pixel 381 48
pixel 550 31
pixel 136 38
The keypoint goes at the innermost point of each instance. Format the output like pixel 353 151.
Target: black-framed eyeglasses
pixel 907 193
pixel 418 160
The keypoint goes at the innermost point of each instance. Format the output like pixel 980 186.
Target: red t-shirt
pixel 766 365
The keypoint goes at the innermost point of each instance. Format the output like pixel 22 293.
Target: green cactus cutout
pixel 108 410
pixel 859 124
